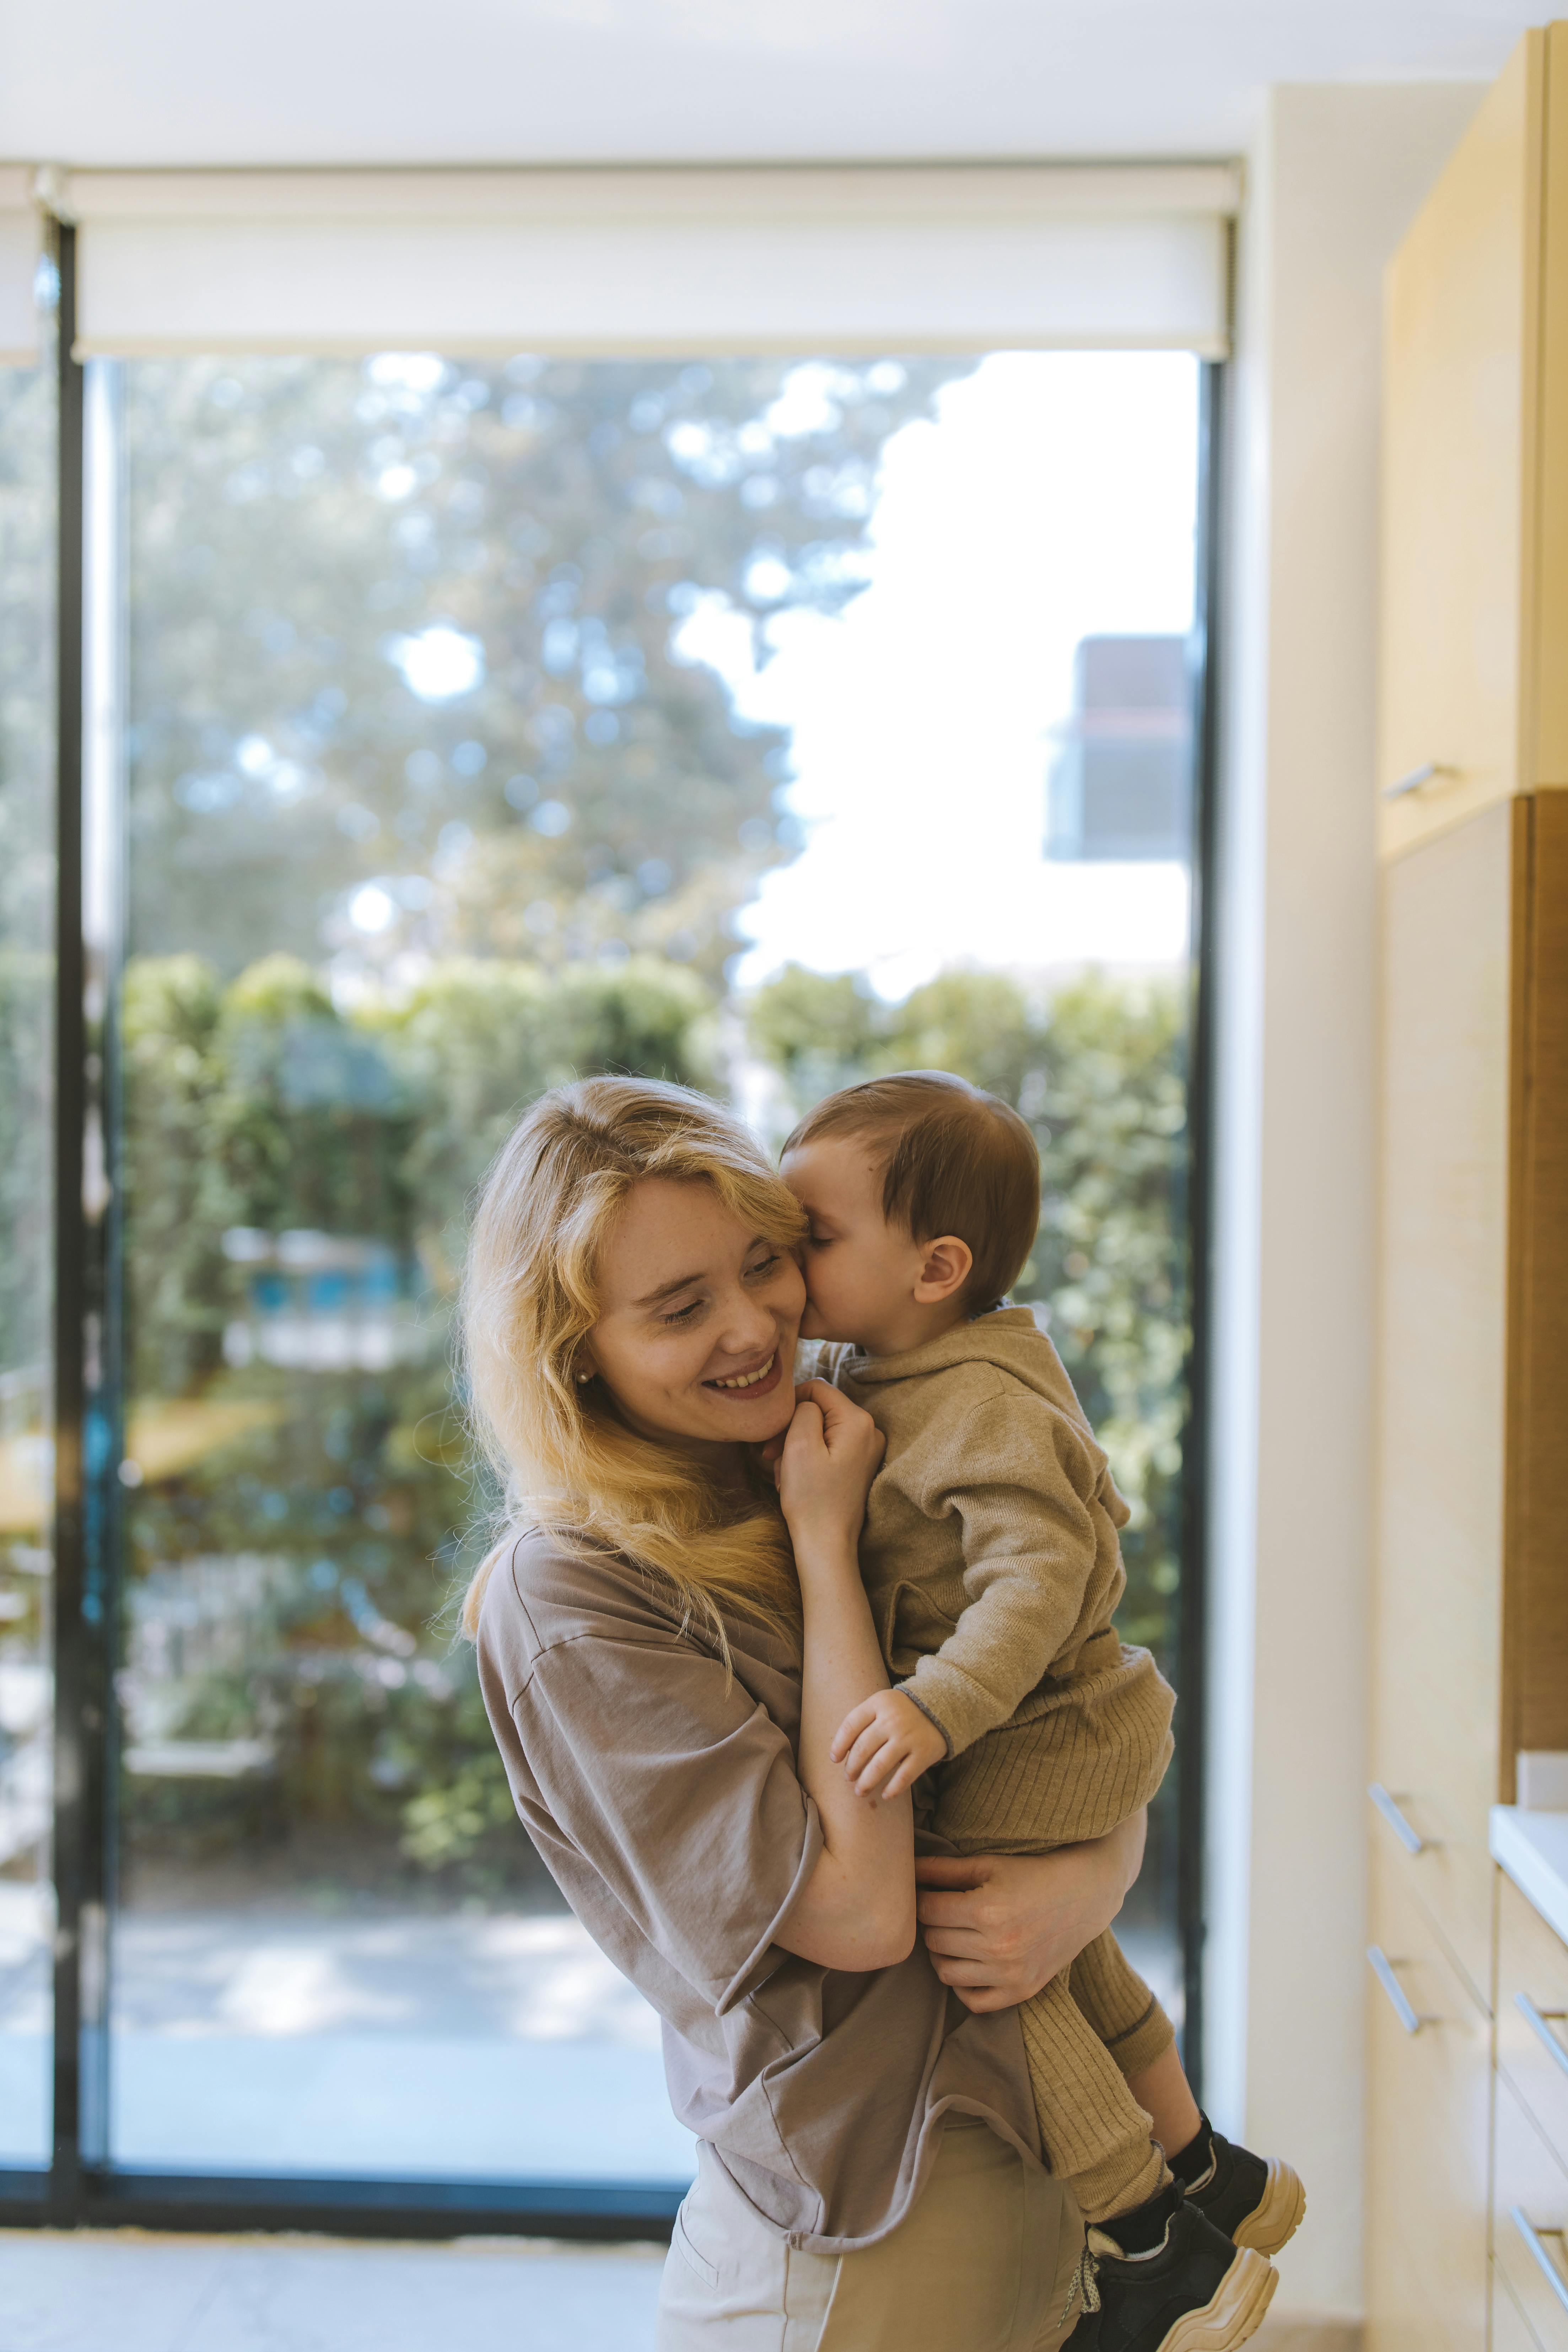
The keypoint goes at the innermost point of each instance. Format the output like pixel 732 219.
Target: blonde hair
pixel 567 1463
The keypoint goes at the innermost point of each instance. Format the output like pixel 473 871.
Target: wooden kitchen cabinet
pixel 1470 1607
pixel 1474 476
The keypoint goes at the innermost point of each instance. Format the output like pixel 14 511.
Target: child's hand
pixel 886 1743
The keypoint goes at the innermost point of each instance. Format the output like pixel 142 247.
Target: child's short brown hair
pixel 953 1160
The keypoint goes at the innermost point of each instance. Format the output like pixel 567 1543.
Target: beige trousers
pixel 986 2262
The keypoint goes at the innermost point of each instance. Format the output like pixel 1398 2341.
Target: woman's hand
pixel 831 1455
pixel 998 1926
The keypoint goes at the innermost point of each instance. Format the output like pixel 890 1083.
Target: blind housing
pixel 602 262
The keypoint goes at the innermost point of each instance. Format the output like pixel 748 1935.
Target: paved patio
pixel 469 2044
pixel 274 2037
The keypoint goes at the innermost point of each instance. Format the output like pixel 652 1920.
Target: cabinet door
pixel 1533 2015
pixel 1437 1604
pixel 1457 473
pixel 1428 2093
pixel 1512 2331
pixel 1528 2220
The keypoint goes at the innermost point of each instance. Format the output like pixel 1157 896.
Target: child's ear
pixel 945 1270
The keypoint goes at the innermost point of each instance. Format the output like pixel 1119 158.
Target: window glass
pixel 26 1180
pixel 758 724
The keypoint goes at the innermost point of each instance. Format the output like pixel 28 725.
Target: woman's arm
pixel 856 1910
pixel 998 1926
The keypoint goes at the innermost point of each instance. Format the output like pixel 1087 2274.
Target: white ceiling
pixel 352 82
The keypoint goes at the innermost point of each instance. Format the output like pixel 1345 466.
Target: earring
pixel 584 1378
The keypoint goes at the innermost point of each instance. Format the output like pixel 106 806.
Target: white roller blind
pixel 19 245
pixel 600 262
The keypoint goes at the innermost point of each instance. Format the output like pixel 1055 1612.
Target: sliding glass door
pixel 457 727
pixel 758 724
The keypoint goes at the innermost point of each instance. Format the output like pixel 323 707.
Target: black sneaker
pixel 1255 2200
pixel 1194 2291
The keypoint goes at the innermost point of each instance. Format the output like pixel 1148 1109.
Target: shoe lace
pixel 1085 2285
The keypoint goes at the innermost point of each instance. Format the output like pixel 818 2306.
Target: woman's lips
pixel 751 1384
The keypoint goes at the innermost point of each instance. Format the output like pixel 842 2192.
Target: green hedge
pixel 342 1515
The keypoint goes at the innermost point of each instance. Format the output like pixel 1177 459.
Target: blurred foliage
pixel 289 1582
pixel 1098 1069
pixel 331 1532
pixel 26 1101
pixel 427 627
pixel 478 1038
pixel 169 1013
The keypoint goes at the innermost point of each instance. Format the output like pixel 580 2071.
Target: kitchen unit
pixel 1470 1600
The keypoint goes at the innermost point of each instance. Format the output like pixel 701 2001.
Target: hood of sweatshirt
pixel 1009 1336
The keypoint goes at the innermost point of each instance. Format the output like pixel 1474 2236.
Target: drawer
pixel 1451 1870
pixel 1532 2012
pixel 1529 2214
pixel 1428 2103
pixel 1512 2331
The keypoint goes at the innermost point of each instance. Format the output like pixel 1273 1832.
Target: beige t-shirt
pixel 661 1793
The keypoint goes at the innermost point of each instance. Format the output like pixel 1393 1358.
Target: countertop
pixel 1533 1850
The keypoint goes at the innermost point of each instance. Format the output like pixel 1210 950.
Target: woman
pixel 666 1653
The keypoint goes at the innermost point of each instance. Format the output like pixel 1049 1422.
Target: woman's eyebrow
pixel 668 1290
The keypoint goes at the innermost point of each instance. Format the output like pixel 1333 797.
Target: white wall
pixel 1337 175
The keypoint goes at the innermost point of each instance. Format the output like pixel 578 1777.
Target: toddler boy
pixel 991 1560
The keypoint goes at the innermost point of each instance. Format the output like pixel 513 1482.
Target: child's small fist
pixel 886 1743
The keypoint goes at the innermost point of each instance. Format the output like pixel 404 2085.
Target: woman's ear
pixel 945 1270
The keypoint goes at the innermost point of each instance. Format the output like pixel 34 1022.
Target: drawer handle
pixel 1541 2021
pixel 1551 2272
pixel 1410 1838
pixel 1382 1970
pixel 1426 773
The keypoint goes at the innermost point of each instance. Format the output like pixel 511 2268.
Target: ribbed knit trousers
pixel 1084 2034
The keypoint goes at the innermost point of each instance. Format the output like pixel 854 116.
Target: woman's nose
pixel 747 1326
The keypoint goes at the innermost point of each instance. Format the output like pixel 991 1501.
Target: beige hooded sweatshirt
pixel 991 1560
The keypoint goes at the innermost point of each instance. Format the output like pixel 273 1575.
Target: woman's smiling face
pixel 696 1328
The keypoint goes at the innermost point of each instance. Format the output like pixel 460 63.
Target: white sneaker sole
pixel 1275 2221
pixel 1234 2312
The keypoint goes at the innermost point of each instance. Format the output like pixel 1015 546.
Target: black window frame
pixel 81 2187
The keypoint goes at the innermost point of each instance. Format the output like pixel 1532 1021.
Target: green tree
pixel 820 1030
pixel 573 779
pixel 169 1008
